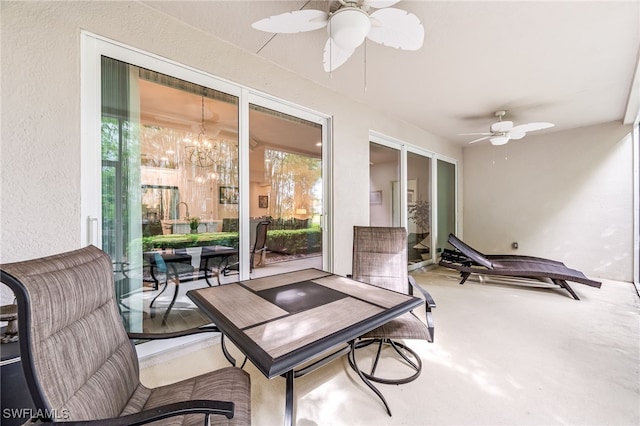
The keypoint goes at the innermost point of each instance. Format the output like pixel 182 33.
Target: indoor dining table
pixel 287 321
pixel 177 264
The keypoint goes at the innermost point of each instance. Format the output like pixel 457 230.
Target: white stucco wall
pixel 566 196
pixel 40 167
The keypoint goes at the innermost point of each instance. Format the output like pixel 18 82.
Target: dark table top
pixel 183 255
pixel 282 321
pixel 213 251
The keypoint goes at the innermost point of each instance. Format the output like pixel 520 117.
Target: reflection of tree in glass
pixel 292 178
pixel 420 214
pixel 120 151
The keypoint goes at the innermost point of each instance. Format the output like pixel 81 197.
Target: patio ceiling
pixel 571 63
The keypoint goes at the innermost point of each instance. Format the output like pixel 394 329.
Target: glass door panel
pixel 169 188
pixel 446 173
pixel 418 208
pixel 384 188
pixel 286 189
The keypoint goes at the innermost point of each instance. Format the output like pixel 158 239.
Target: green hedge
pixel 174 241
pixel 295 241
pixel 290 241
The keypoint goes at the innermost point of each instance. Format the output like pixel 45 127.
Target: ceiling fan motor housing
pixel 348 27
pixel 501 126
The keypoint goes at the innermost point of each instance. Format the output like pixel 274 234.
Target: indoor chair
pixel 174 270
pixel 80 364
pixel 259 248
pixel 380 258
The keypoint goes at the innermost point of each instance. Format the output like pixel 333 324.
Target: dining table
pixel 211 258
pixel 178 265
pixel 293 323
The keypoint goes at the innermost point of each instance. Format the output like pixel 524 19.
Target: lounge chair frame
pixel 469 261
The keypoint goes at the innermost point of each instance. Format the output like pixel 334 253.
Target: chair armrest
pixel 429 304
pixel 177 409
pixel 173 335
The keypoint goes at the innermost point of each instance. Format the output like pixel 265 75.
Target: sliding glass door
pixel 286 189
pixel 400 194
pixel 418 207
pixel 178 170
pixel 384 184
pixel 446 181
pixel 170 176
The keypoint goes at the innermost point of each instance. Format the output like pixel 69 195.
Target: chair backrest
pixel 470 252
pixel 380 257
pixel 76 355
pixel 161 266
pixel 261 235
pixel 230 224
pixel 301 223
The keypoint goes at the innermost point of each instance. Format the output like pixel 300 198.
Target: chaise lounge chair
pixel 470 261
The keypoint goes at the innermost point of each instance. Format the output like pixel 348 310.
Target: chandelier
pixel 203 151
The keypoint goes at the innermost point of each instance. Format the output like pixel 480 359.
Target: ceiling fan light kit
pixel 499 140
pixel 349 27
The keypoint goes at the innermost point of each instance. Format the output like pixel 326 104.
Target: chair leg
pixel 415 365
pixel 166 284
pixel 565 285
pixel 375 362
pixel 464 276
pixel 398 348
pixel 228 355
pixel 352 361
pixel 173 300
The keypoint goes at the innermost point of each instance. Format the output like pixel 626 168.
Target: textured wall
pixel 40 174
pixel 566 196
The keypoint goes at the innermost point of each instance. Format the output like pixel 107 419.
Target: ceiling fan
pixel 348 23
pixel 502 132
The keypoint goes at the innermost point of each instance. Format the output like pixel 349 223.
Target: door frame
pixel 93 47
pixel 404 148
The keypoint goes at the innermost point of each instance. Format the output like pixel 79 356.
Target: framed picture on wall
pixel 375 197
pixel 263 201
pixel 228 195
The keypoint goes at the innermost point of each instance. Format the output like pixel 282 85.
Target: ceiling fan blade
pixel 396 28
pixel 379 4
pixel 530 127
pixel 334 55
pixel 502 126
pixel 480 139
pixel 293 22
pixel 475 134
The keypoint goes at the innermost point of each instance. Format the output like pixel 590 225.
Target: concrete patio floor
pixel 504 354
